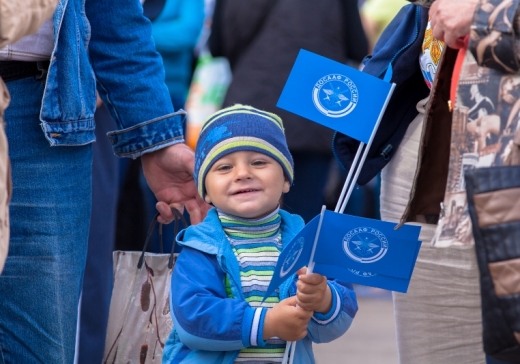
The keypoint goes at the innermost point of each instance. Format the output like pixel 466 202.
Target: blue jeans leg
pixel 50 215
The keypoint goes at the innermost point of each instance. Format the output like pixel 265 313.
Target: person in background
pixel 18 18
pixel 261 40
pixel 176 26
pixel 431 140
pixel 376 14
pixel 89 45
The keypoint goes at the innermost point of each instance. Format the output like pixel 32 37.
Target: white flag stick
pixel 366 150
pixel 349 177
pixel 310 268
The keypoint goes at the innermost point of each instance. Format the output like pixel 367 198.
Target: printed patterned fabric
pixel 486 118
pixel 257 244
pixel 431 55
pixel 493 41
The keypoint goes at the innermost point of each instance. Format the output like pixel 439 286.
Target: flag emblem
pixel 335 95
pixel 365 244
pixel 292 257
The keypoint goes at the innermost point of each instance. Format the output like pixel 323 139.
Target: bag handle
pixel 177 217
pixel 457 69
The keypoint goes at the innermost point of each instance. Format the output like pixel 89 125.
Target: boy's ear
pixel 207 199
pixel 286 186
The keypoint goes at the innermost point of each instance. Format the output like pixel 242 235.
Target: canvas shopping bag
pixel 139 319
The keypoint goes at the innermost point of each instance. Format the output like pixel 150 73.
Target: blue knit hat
pixel 239 128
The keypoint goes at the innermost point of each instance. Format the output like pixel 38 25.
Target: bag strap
pixel 456 73
pixel 177 217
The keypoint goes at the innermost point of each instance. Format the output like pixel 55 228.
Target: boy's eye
pixel 259 163
pixel 223 168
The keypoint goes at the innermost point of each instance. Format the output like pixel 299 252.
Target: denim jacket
pixel 108 45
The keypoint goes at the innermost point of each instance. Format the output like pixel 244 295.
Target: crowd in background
pixel 260 41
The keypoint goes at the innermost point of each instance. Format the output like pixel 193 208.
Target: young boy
pixel 242 167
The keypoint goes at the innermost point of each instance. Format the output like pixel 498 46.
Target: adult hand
pixel 169 172
pixel 451 20
pixel 312 292
pixel 286 321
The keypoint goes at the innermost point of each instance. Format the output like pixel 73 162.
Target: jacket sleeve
pixel 327 327
pixel 494 37
pixel 179 25
pixel 204 318
pixel 130 78
pixel 19 18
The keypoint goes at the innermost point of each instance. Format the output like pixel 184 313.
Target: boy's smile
pixel 246 184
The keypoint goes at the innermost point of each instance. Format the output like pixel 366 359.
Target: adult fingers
pixel 166 215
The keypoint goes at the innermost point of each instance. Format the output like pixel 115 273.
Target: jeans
pixel 50 216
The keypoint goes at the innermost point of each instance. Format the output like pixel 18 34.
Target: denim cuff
pixel 325 318
pixel 148 136
pixel 492 40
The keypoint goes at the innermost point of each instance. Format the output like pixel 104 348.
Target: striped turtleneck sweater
pixel 257 244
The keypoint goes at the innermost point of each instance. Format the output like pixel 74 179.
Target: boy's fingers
pixel 301 271
pixel 313 278
pixel 291 301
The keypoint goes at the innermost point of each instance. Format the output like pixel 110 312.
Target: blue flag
pixel 353 249
pixel 335 95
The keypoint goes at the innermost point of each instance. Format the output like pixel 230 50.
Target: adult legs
pixel 439 319
pixel 50 214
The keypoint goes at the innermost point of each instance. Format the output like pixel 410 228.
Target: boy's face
pixel 246 184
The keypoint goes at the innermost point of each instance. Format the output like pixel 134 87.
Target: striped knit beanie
pixel 239 128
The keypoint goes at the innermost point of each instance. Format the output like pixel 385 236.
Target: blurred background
pixel 217 53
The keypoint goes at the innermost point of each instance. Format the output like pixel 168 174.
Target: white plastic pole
pixel 310 268
pixel 367 149
pixel 349 176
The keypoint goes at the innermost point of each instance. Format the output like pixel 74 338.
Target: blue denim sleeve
pixel 130 78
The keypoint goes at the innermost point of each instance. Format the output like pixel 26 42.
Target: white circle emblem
pixel 365 244
pixel 335 95
pixel 292 257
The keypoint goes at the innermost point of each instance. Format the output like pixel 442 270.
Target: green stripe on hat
pixel 242 109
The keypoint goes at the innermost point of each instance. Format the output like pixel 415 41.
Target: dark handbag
pixel 494 208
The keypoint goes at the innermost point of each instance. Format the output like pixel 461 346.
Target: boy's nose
pixel 242 171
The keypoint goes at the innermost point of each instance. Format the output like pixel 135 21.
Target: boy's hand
pixel 286 321
pixel 313 293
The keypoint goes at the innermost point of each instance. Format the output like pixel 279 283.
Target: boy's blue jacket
pixel 209 327
pixel 400 44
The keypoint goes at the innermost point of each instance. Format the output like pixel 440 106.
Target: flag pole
pixel 349 177
pixel 367 149
pixel 310 268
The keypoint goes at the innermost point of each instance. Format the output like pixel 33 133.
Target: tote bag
pixel 139 318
